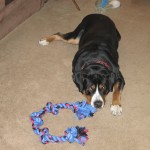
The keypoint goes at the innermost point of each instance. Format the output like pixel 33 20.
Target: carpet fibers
pixel 31 75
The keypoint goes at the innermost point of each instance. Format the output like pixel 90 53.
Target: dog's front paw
pixel 43 42
pixel 116 110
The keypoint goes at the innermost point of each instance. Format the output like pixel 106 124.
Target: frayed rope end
pixel 78 134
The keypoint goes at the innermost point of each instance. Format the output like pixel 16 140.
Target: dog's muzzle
pixel 98 104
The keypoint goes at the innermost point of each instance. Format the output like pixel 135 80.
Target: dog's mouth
pixel 97 103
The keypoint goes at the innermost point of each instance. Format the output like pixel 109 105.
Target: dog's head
pixel 95 82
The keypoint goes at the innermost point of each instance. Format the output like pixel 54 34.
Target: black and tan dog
pixel 95 65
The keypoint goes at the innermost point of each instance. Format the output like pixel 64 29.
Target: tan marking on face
pixel 88 98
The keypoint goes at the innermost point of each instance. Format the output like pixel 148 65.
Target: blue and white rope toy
pixel 78 134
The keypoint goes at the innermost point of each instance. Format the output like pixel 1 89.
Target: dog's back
pixel 98 28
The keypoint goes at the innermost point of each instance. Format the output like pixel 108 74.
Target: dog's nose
pixel 98 104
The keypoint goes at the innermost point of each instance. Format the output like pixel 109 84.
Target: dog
pixel 95 67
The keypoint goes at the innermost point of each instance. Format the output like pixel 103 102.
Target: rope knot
pixel 52 108
pixel 36 119
pixel 77 134
pixel 83 110
pixel 44 135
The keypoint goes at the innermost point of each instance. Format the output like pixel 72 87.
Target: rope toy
pixel 78 134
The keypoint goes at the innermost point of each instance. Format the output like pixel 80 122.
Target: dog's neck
pixel 98 62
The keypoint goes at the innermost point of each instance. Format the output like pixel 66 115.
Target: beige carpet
pixel 32 75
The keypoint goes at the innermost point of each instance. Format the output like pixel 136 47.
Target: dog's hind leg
pixel 71 37
pixel 59 37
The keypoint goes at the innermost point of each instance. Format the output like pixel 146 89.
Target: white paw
pixel 43 42
pixel 116 110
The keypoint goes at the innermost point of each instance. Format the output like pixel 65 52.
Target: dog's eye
pixel 93 87
pixel 102 87
pixel 90 90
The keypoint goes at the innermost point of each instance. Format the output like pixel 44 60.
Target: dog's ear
pixel 78 80
pixel 116 78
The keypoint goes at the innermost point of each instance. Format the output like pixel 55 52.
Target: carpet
pixel 32 75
